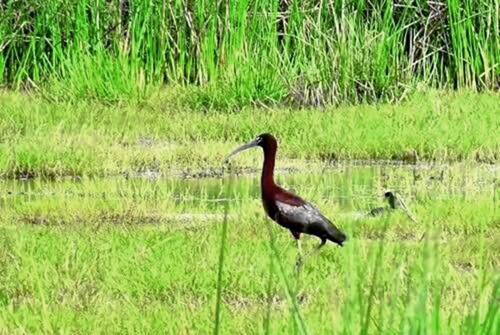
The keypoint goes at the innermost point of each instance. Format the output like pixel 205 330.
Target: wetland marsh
pixel 118 217
pixel 141 254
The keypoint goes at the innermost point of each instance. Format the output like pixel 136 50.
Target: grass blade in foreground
pixel 223 242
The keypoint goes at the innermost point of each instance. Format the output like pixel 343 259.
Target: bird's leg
pixel 314 251
pixel 298 266
pixel 296 236
pixel 299 261
pixel 302 259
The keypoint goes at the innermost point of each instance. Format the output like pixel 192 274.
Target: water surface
pixel 350 187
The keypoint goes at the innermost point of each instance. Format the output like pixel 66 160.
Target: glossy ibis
pixel 287 209
pixel 395 202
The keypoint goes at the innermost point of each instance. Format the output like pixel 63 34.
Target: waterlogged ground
pixel 47 139
pixel 142 254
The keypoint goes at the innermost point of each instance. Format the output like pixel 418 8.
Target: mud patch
pixel 183 220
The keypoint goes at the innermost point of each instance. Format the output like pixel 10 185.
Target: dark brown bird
pixel 395 202
pixel 287 209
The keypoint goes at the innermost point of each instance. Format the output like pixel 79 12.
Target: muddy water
pixel 350 186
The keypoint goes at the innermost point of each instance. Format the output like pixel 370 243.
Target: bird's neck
pixel 267 178
pixel 392 202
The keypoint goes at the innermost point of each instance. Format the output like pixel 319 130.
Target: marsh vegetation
pixel 159 136
pixel 301 53
pixel 142 255
pixel 118 216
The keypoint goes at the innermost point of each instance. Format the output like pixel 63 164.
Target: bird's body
pixel 285 208
pixel 300 217
pixel 395 202
pixel 377 211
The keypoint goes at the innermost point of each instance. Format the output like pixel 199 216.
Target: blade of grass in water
pixel 374 281
pixel 223 242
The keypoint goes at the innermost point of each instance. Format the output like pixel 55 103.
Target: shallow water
pixel 351 187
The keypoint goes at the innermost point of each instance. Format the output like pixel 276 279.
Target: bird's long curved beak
pixel 406 210
pixel 245 146
pixel 410 216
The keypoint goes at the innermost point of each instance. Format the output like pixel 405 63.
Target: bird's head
pixel 388 194
pixel 265 141
pixel 390 197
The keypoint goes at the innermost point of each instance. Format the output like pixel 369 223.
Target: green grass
pixel 304 53
pixel 134 90
pixel 43 139
pixel 114 256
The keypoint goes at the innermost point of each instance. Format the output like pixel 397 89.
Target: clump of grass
pixel 44 139
pixel 260 51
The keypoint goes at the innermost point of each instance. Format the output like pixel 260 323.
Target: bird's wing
pixel 377 211
pixel 300 216
pixel 304 214
pixel 289 198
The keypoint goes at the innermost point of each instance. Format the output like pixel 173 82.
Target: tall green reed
pixel 249 51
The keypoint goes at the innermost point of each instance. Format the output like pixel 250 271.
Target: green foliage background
pixel 244 52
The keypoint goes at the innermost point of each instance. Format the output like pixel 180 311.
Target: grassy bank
pixel 302 52
pixel 39 138
pixel 119 256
